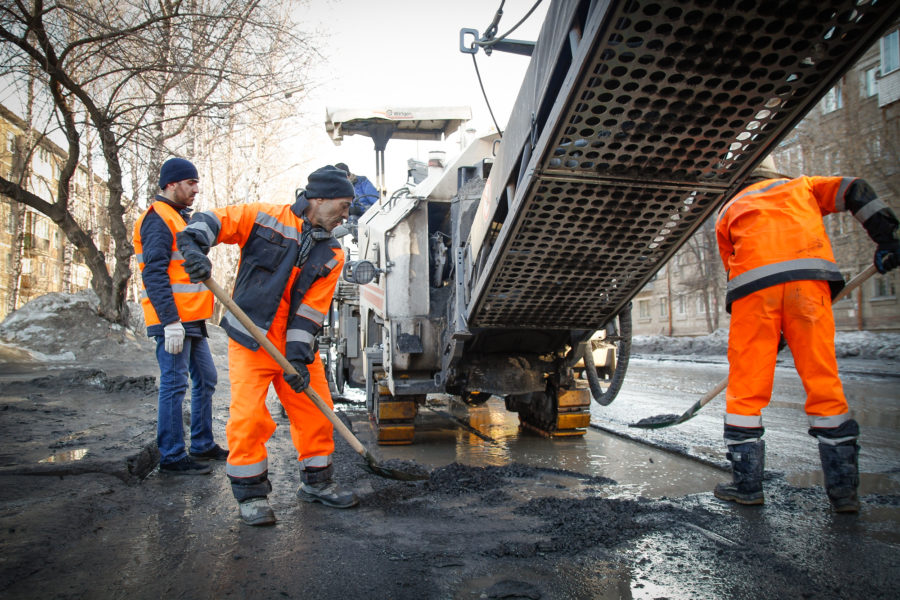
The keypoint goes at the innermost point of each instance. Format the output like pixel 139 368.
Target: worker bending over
pixel 289 268
pixel 781 279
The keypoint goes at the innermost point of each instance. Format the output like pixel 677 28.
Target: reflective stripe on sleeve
pixel 139 258
pixel 745 421
pixel 312 314
pixel 177 255
pixel 247 470
pixel 270 222
pixel 331 264
pixel 203 229
pixel 839 203
pixel 298 335
pixel 868 209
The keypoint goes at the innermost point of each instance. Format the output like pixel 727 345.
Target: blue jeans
pixel 195 359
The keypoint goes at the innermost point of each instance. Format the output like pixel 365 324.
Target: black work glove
pixel 887 256
pixel 196 263
pixel 300 381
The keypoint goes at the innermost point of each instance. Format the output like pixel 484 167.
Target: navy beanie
pixel 175 170
pixel 329 182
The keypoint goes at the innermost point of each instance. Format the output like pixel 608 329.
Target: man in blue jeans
pixel 175 311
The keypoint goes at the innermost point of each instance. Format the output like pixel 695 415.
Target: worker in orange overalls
pixel 781 279
pixel 289 268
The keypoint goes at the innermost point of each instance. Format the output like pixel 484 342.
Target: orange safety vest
pixel 194 301
pixel 772 232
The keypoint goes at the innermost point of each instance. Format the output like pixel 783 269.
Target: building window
pixel 833 99
pixel 890 52
pixel 682 306
pixel 664 307
pixel 884 287
pixel 701 305
pixel 644 309
pixel 868 86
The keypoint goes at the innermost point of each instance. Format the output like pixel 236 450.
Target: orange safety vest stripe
pixel 194 301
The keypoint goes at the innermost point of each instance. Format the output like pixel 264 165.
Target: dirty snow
pixel 864 345
pixel 50 326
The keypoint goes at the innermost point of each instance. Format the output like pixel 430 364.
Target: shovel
pixel 371 465
pixel 661 421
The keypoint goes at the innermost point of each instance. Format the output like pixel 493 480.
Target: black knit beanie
pixel 175 170
pixel 329 182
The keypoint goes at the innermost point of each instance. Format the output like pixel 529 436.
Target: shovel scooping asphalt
pixel 371 464
pixel 660 421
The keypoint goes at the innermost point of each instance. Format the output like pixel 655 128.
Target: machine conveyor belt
pixel 665 109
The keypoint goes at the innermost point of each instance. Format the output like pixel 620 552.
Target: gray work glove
pixel 300 381
pixel 196 264
pixel 887 256
pixel 174 342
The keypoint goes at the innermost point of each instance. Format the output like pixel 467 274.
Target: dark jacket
pixel 271 237
pixel 157 241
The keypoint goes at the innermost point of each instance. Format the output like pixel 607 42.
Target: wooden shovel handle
pixel 260 337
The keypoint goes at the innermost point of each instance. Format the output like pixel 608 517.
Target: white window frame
pixel 868 83
pixel 890 52
pixel 833 99
pixel 643 309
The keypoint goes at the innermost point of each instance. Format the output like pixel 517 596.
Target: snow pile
pixel 67 327
pixel 848 344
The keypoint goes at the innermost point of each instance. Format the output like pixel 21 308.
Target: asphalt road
pixel 511 516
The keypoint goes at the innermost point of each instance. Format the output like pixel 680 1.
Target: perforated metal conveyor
pixel 661 110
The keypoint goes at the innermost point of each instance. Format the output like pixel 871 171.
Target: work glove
pixel 887 256
pixel 300 381
pixel 196 264
pixel 174 343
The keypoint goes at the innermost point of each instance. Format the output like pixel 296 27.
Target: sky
pixel 406 53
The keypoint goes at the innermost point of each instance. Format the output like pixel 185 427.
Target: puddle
pixel 66 456
pixel 639 470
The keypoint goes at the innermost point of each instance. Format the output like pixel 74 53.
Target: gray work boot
pixel 841 468
pixel 747 465
pixel 256 511
pixel 317 485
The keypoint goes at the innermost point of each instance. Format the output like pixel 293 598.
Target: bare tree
pixel 706 276
pixel 142 72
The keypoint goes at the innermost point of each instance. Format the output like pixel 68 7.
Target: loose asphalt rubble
pixel 85 514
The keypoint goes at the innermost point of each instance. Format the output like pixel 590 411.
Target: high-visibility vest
pixel 194 301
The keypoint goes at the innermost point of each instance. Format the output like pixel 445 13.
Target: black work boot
pixel 747 465
pixel 318 485
pixel 251 494
pixel 840 464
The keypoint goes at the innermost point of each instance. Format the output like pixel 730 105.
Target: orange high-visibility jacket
pixel 193 300
pixel 772 232
pixel 270 240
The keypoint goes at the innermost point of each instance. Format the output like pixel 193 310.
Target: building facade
pixel 35 256
pixel 854 131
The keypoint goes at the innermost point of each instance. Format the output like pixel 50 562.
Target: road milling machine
pixel 635 120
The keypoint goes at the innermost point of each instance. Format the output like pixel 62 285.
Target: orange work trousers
pixel 801 310
pixel 250 425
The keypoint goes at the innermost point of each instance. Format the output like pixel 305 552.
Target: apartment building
pixel 35 256
pixel 853 131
